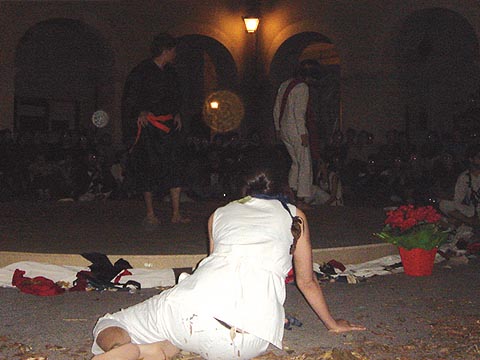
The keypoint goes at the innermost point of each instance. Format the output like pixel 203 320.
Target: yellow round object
pixel 223 111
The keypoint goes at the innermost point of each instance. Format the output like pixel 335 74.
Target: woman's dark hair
pixel 261 181
pixel 264 173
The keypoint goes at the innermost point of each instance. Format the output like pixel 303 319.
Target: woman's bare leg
pixel 116 343
pixel 177 218
pixel 151 218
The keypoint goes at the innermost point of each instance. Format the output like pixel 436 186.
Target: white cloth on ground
pixel 148 278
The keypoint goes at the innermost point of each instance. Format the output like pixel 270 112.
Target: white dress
pixel 242 283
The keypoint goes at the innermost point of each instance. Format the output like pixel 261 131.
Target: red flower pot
pixel 417 262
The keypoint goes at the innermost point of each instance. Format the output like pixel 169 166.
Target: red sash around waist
pixel 158 122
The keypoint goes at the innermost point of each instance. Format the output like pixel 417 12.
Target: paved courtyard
pixel 435 317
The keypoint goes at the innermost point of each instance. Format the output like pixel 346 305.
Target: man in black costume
pixel 151 107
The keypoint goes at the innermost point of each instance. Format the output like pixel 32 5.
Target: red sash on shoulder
pixel 310 123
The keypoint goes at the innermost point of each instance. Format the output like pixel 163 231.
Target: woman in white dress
pixel 231 307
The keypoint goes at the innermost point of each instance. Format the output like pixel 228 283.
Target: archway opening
pixel 204 65
pixel 437 54
pixel 326 96
pixel 64 74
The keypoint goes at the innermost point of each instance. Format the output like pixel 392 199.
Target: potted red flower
pixel 417 233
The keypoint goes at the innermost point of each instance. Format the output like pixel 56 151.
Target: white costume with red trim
pixel 292 124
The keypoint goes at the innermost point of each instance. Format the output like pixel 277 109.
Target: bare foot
pixel 150 223
pixel 179 219
pixel 124 352
pixel 151 220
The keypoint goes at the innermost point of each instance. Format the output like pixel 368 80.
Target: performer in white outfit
pixel 231 307
pixel 296 128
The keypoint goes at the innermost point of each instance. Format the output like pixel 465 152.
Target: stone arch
pixel 65 67
pixel 211 31
pixel 437 53
pixel 204 65
pixel 317 46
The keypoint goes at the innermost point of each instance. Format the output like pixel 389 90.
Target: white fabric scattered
pixel 375 267
pixel 381 266
pixel 463 232
pixel 148 278
pixel 151 278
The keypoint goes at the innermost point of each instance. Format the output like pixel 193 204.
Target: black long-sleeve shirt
pixel 152 89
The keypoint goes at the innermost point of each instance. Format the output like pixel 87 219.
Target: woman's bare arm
pixel 309 286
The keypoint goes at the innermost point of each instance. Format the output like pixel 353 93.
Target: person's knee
pixel 112 337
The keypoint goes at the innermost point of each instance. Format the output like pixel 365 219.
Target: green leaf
pixel 424 236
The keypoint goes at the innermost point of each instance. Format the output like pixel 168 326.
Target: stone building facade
pixel 411 65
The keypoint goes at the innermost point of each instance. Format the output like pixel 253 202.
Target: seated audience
pixel 44 176
pixel 327 188
pixel 94 181
pixel 444 175
pixel 463 209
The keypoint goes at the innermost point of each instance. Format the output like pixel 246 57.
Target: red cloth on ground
pixel 337 265
pixel 82 281
pixel 125 272
pixel 39 285
pixel 473 248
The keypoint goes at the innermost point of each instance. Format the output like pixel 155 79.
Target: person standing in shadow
pixel 151 107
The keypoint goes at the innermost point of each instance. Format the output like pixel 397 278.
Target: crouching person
pixel 231 307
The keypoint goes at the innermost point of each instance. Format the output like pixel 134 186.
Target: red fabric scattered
pixel 119 276
pixel 38 285
pixel 337 265
pixel 81 282
pixel 473 248
pixel 290 277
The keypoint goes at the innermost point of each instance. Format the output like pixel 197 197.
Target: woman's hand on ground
pixel 344 326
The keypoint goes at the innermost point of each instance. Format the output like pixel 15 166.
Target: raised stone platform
pixel 58 233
